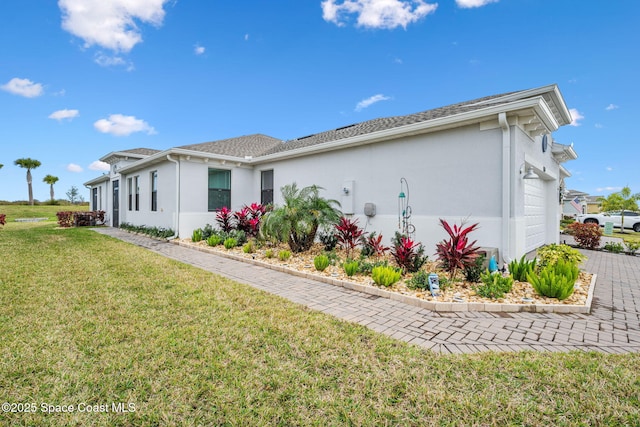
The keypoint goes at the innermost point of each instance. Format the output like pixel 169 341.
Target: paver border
pixel 444 306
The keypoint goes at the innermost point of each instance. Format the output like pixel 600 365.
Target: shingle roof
pixel 380 124
pixel 141 151
pixel 248 145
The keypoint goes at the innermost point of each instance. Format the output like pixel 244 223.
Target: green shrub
pixel 230 243
pixel 420 280
pixel 351 267
pixel 614 247
pixel 214 240
pixel 555 281
pixel 385 276
pixel 321 262
pixel 586 235
pixel 239 235
pixel 366 267
pixel 632 247
pixel 248 248
pixel 284 255
pixel 473 272
pixel 494 285
pixel 208 231
pixel 328 239
pixel 268 253
pixel 196 236
pixel 521 269
pixel 551 254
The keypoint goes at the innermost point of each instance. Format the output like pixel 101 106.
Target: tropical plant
pixel 196 235
pixel 373 246
pixel 615 247
pixel 473 272
pixel 3 217
pixel 555 280
pixel 551 254
pixel 297 221
pixel 586 235
pixel 50 179
pixel 409 255
pixel 224 218
pixel 214 240
pixel 284 255
pixel 248 248
pixel 321 262
pixel 494 285
pixel 28 164
pixel 351 267
pixel 521 269
pixel 457 253
pixel 230 243
pixel 385 275
pixel 420 280
pixel 348 233
pixel 632 247
pixel 328 240
pixel 268 253
pixel 622 200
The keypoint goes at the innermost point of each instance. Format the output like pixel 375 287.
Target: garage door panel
pixel 534 213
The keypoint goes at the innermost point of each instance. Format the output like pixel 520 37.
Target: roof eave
pixel 182 153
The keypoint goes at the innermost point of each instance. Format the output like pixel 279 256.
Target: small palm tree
pixel 50 179
pixel 28 164
pixel 298 220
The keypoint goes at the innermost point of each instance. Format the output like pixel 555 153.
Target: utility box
pixel 370 209
pixel 488 253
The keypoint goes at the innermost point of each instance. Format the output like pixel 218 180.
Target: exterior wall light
pixel 530 173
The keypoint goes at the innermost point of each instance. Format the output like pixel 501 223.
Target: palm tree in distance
pixel 28 164
pixel 50 179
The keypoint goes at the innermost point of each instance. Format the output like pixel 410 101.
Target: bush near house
pixel 457 253
pixel 587 236
pixel 3 219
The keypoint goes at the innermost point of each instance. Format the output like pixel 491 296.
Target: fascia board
pixel 161 156
pixel 98 180
pixel 537 103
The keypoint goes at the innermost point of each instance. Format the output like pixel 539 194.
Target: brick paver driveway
pixel 612 327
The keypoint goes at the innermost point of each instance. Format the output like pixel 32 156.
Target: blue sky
pixel 82 78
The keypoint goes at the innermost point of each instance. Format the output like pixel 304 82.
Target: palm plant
pixel 297 220
pixel 28 164
pixel 50 179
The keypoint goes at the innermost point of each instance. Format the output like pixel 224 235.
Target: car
pixel 631 219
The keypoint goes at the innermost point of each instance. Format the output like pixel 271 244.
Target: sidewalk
pixel 612 327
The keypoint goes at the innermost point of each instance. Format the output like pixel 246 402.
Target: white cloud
pixel 370 101
pixel 467 4
pixel 23 87
pixel 110 24
pixel 64 114
pixel 105 60
pixel 575 117
pixel 609 168
pixel 72 167
pixel 598 125
pixel 387 14
pixel 199 50
pixel 120 125
pixel 608 189
pixel 246 37
pixel 99 166
pixel 612 107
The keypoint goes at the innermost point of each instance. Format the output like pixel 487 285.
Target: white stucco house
pixel 493 160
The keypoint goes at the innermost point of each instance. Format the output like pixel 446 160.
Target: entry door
pixel 115 222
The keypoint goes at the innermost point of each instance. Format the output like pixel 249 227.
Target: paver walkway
pixel 612 327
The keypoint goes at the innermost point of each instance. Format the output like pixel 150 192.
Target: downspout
pixel 506 187
pixel 177 220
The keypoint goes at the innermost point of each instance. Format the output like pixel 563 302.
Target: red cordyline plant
pixel 224 218
pixel 457 253
pixel 349 234
pixel 373 245
pixel 409 255
pixel 3 219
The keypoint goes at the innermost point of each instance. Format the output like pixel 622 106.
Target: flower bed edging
pixel 441 306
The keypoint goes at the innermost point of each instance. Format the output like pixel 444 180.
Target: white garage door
pixel 534 214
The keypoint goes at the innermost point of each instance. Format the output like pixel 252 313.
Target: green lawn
pixel 89 320
pixel 628 236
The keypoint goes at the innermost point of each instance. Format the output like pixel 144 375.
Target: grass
pixel 628 236
pixel 88 319
pixel 37 211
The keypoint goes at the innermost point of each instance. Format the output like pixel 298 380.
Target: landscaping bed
pixel 455 296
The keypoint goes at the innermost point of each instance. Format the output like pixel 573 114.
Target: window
pixel 130 193
pixel 219 189
pixel 266 187
pixel 94 195
pixel 136 183
pixel 154 191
